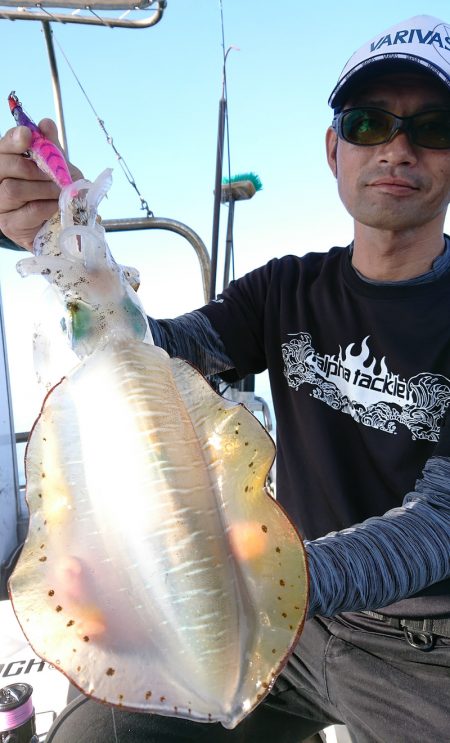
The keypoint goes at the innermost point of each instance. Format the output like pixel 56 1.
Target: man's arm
pixel 193 338
pixel 390 557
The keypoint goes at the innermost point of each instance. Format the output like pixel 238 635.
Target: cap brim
pixel 385 64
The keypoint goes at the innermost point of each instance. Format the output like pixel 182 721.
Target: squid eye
pixel 81 317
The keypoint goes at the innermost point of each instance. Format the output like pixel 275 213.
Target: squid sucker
pixel 158 574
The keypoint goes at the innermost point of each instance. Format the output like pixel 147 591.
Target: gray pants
pixel 352 670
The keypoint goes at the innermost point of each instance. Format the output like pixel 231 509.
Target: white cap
pixel 422 41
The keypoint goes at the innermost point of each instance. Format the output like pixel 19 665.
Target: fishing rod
pixel 222 125
pixel 230 189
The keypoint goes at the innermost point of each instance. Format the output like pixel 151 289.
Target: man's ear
pixel 331 141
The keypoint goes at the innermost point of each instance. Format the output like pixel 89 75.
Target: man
pixel 357 345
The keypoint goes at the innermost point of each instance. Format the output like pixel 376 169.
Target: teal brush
pixel 240 187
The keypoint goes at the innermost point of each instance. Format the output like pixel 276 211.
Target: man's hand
pixel 27 197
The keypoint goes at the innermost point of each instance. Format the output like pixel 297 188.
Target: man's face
pixel 397 185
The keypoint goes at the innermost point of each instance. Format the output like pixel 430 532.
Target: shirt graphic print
pixel 367 390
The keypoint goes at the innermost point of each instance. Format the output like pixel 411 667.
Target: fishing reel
pixel 17 718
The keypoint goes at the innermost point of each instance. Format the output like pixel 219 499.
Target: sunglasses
pixel 369 126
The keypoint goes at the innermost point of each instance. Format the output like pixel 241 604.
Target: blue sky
pixel 158 90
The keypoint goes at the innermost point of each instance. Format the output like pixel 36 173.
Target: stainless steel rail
pixel 171 225
pixel 91 14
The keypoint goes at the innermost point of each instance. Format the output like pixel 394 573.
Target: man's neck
pixel 386 256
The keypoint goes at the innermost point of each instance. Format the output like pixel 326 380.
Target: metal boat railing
pixel 170 225
pixel 109 13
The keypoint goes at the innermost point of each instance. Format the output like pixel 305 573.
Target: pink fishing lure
pixel 44 153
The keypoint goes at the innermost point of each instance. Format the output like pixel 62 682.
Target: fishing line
pixel 227 124
pixel 225 55
pixel 126 170
pixel 44 10
pixel 102 20
pixel 116 739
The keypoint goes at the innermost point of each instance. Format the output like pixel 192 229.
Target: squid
pixel 158 573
